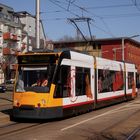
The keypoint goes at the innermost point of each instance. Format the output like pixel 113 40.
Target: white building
pixel 10 39
pixel 17 34
pixel 29 31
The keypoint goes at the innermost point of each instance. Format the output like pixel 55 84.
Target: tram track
pixel 16 127
pixel 5 107
pixel 5 103
pixel 110 131
pixel 134 133
pixel 120 130
pixel 7 125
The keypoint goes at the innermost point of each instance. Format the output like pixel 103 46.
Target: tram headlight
pixel 16 103
pixel 43 101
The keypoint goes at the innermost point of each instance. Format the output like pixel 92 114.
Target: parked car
pixel 2 88
pixel 10 85
pixel 11 81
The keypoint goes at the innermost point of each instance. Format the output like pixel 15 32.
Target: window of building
pixel 16 19
pixel 1 15
pixel 30 28
pixel 94 46
pixel 99 47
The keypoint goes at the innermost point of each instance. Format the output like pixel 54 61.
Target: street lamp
pixel 123 45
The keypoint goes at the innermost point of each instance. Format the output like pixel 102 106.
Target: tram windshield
pixel 36 78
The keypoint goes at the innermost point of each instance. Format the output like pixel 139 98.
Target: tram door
pixel 77 82
pixel 68 81
pixel 83 82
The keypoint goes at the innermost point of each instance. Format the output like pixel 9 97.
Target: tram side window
pixel 138 80
pixel 82 80
pixel 65 80
pixel 130 79
pixel 62 85
pixel 109 80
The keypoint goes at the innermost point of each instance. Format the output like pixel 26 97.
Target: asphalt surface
pixel 118 122
pixel 5 107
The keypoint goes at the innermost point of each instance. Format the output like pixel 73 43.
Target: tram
pixel 74 83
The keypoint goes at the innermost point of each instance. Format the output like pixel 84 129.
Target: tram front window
pixel 35 79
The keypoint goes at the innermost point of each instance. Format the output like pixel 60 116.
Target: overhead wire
pixel 130 15
pixel 135 4
pixel 105 24
pixel 121 15
pixel 56 3
pixel 110 6
pixel 71 3
pixel 53 19
pixel 103 16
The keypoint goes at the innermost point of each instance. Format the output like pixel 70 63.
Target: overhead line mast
pixel 37 24
pixel 82 19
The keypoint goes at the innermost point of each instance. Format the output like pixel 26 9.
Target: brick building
pixel 118 49
pixel 131 53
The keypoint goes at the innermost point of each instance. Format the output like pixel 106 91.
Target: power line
pixel 103 16
pixel 53 19
pixel 105 24
pixel 135 4
pixel 130 15
pixel 106 32
pixel 110 6
pixel 56 3
pixel 57 11
pixel 69 3
pixel 121 15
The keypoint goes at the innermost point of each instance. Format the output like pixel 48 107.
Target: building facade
pixel 10 39
pixel 17 35
pixel 29 31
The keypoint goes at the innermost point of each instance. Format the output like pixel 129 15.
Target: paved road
pixel 6 98
pixel 5 105
pixel 119 122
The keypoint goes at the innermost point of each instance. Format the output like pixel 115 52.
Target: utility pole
pixel 37 24
pixel 82 19
pixel 74 20
pixel 123 49
pixel 123 59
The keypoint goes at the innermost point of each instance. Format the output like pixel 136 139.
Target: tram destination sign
pixel 37 59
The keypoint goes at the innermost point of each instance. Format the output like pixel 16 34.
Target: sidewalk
pixel 6 98
pixel 5 106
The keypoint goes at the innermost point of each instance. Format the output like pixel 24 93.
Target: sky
pixel 108 18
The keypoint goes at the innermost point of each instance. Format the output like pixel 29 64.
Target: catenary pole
pixel 37 24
